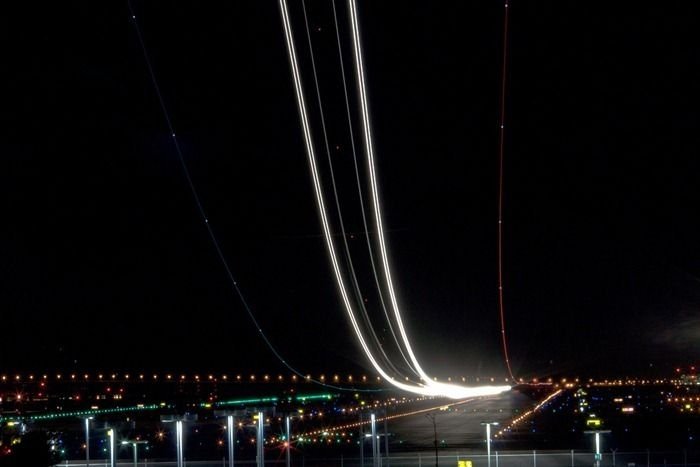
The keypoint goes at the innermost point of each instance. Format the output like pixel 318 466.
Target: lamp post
pixel 431 417
pixel 597 434
pixel 289 440
pixel 112 459
pixel 231 416
pixel 231 438
pixel 488 440
pixel 261 439
pixel 375 460
pixel 87 441
pixel 134 443
pixel 178 419
pixel 178 436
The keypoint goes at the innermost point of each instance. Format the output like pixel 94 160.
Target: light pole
pixel 87 441
pixel 289 441
pixel 261 439
pixel 230 431
pixel 375 460
pixel 112 459
pixel 597 434
pixel 431 417
pixel 178 436
pixel 134 443
pixel 178 419
pixel 231 438
pixel 488 440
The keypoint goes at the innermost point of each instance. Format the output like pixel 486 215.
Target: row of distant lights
pixel 611 382
pixel 114 376
pixel 323 378
pixel 568 382
pixel 91 412
pixel 393 401
pixel 686 403
pixel 281 442
pixel 319 414
pixel 523 417
pixel 631 382
pixel 683 399
pixel 348 426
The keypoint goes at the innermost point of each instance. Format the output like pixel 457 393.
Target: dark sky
pixel 105 261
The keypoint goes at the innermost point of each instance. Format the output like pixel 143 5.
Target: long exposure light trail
pixel 369 151
pixel 321 203
pixel 365 224
pixel 341 223
pixel 501 144
pixel 430 388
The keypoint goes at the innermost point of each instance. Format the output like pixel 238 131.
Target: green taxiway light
pixel 311 397
pixel 88 413
pixel 244 401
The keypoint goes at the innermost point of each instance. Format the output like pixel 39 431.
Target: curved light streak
pixel 359 190
pixel 431 388
pixel 202 212
pixel 369 147
pixel 501 143
pixel 369 150
pixel 321 203
pixel 341 223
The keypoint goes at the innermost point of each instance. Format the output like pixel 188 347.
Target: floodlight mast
pixel 597 434
pixel 488 440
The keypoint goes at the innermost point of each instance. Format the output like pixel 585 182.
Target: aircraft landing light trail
pixel 426 386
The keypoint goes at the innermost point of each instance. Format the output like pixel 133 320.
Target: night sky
pixel 105 262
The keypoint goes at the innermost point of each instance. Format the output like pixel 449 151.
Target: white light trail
pixel 430 388
pixel 351 269
pixel 369 147
pixel 369 150
pixel 321 203
pixel 359 191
